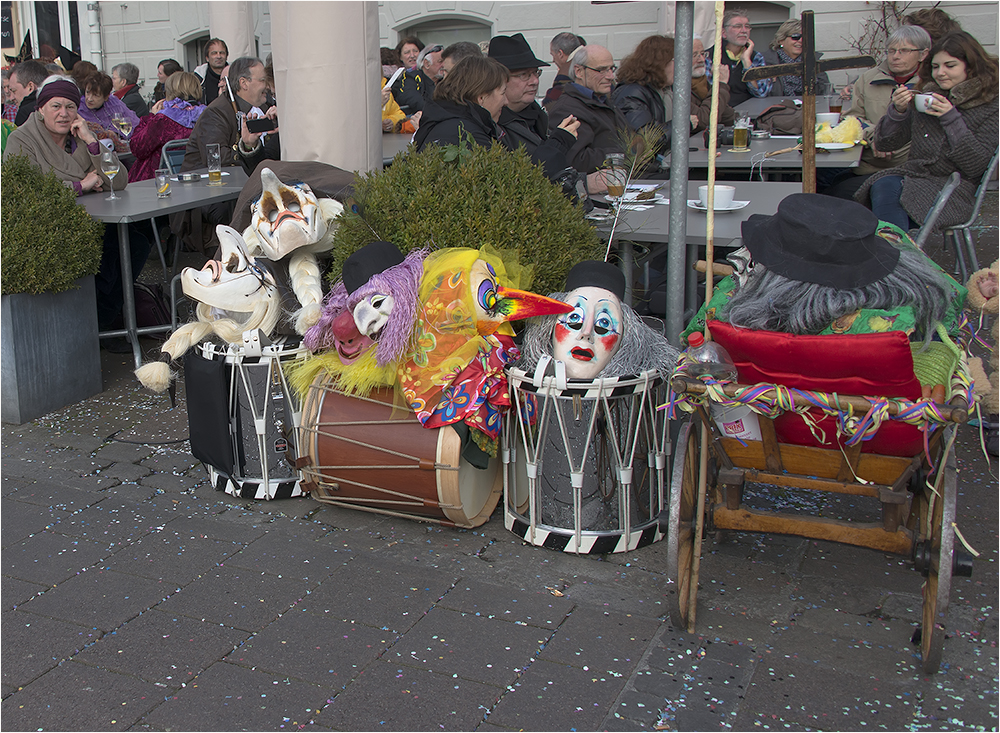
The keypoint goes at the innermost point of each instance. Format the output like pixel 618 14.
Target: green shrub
pixel 443 197
pixel 47 240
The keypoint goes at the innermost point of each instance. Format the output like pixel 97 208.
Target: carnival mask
pixel 285 217
pixel 743 265
pixel 495 305
pixel 586 338
pixel 235 282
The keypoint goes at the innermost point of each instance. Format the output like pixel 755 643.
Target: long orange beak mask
pixel 497 305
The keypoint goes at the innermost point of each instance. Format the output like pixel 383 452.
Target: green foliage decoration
pixel 48 241
pixel 461 197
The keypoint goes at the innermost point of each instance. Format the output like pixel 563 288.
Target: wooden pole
pixel 808 103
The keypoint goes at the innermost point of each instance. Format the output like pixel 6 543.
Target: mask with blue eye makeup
pixel 586 339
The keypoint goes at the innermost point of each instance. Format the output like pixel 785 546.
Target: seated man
pixel 561 48
pixel 416 86
pixel 739 55
pixel 124 80
pixel 25 80
pixel 587 99
pixel 701 91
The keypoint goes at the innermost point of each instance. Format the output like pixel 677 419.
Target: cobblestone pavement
pixel 136 597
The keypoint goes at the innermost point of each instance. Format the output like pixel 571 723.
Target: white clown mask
pixel 285 217
pixel 586 339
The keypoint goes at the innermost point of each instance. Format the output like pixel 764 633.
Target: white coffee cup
pixel 833 118
pixel 723 196
pixel 923 101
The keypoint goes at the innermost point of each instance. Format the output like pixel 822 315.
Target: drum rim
pixel 605 385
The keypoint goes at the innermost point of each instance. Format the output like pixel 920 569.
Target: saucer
pixel 633 198
pixel 735 206
pixel 835 146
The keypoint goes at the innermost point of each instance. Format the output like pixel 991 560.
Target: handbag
pixel 780 119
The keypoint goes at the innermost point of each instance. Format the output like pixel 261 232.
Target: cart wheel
pixel 936 550
pixel 681 528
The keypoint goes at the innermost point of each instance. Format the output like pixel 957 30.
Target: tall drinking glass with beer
pixel 214 153
pixel 741 133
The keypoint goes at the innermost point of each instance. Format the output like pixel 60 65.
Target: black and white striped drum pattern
pixel 584 461
pixel 264 418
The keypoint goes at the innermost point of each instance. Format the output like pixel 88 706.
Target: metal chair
pixel 961 234
pixel 171 156
pixel 939 203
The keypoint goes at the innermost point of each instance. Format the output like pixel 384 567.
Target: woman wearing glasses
pixel 786 48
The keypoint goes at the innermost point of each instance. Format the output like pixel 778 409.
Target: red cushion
pixel 876 364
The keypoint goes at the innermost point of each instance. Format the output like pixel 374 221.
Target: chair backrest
pixel 984 182
pixel 172 154
pixel 939 203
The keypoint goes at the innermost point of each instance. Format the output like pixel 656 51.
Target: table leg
pixel 128 306
pixel 690 279
pixel 627 255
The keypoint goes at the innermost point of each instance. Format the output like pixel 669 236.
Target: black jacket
pixel 530 128
pixel 443 121
pixel 134 101
pixel 642 105
pixel 600 122
pixel 210 85
pixel 412 90
pixel 25 109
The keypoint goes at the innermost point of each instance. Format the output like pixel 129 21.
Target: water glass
pixel 162 180
pixel 214 164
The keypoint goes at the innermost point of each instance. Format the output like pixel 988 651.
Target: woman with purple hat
pixel 55 138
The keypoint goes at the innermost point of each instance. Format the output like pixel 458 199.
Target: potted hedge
pixel 467 197
pixel 51 250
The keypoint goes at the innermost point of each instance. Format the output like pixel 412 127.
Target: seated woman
pixel 644 80
pixel 164 70
pixel 786 48
pixel 958 132
pixel 171 119
pixel 467 104
pixel 55 138
pixel 98 107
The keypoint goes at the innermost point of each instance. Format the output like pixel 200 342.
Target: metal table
pixel 138 202
pixel 393 144
pixel 698 156
pixel 652 225
pixel 755 105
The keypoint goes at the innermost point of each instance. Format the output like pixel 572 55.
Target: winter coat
pixel 964 139
pixel 643 105
pixel 147 143
pixel 739 90
pixel 134 101
pixel 600 123
pixel 701 106
pixel 412 91
pixel 217 124
pixel 530 128
pixel 778 89
pixel 870 99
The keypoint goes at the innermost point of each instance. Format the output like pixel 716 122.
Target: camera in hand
pixel 261 124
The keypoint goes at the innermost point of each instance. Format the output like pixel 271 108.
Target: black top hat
pixel 369 260
pixel 596 274
pixel 514 52
pixel 822 240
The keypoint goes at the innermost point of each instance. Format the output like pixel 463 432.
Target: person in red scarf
pixel 125 78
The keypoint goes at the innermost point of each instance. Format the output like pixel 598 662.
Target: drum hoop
pixel 587 389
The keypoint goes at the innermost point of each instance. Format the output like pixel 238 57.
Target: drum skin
pixel 366 454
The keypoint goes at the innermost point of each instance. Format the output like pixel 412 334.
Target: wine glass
pixel 125 126
pixel 109 164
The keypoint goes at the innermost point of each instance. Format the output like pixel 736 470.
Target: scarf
pixel 700 86
pixel 44 153
pixel 103 114
pixel 792 84
pixel 123 91
pixel 182 112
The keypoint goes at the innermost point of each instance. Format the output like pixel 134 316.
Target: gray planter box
pixel 50 352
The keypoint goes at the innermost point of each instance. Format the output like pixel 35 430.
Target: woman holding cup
pixel 956 130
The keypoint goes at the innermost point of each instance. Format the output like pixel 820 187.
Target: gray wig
pixel 640 349
pixel 773 302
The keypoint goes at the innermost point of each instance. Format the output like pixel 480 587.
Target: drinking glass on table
pixel 615 174
pixel 741 133
pixel 109 166
pixel 214 152
pixel 836 103
pixel 162 180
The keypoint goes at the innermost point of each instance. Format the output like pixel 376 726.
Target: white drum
pixel 264 416
pixel 584 461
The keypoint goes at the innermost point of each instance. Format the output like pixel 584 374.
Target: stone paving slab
pixel 49 557
pixel 542 608
pixel 391 696
pixel 163 649
pixel 34 644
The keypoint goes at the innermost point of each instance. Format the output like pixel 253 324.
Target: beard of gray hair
pixel 639 349
pixel 772 302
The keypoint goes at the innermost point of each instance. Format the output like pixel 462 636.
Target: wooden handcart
pixel 917 494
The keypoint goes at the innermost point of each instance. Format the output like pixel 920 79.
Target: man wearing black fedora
pixel 523 119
